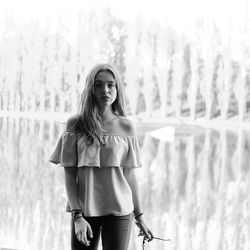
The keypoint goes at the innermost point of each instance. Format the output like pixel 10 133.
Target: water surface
pixel 194 188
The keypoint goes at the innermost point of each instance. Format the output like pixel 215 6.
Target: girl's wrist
pixel 138 216
pixel 76 214
pixel 79 219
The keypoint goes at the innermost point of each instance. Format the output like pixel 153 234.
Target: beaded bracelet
pixel 77 217
pixel 76 214
pixel 138 215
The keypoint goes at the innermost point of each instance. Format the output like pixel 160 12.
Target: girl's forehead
pixel 104 75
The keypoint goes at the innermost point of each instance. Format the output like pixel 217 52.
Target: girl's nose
pixel 105 88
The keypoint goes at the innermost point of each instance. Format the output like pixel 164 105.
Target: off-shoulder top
pixel 102 187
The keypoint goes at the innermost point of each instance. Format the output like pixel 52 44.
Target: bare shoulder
pixel 71 122
pixel 127 126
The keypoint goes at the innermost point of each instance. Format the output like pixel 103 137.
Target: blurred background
pixel 185 66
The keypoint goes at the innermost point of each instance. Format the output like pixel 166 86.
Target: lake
pixel 194 187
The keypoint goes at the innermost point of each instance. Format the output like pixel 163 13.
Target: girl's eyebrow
pixel 104 81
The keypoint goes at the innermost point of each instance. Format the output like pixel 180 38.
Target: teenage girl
pixel 99 152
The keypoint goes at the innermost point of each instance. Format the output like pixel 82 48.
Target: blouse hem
pixel 94 166
pixel 106 214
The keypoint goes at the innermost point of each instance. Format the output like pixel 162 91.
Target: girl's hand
pixel 144 230
pixel 82 230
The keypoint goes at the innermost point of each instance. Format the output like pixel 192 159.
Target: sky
pixel 177 11
pixel 181 15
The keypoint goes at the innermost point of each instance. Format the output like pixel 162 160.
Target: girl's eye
pixel 101 85
pixel 111 85
pixel 98 86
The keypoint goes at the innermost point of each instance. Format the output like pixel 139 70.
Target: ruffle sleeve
pixel 133 157
pixel 65 152
pixel 119 151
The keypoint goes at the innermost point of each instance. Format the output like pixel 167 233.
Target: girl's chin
pixel 105 103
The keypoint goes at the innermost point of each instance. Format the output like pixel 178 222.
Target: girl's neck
pixel 106 114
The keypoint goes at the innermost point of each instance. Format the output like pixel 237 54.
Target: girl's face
pixel 105 88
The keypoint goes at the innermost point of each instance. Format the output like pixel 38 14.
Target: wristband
pixel 77 217
pixel 138 216
pixel 76 213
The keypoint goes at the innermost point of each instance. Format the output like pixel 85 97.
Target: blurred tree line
pixel 165 72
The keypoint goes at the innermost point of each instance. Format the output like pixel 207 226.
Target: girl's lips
pixel 105 98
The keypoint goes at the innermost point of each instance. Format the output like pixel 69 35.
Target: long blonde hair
pixel 89 122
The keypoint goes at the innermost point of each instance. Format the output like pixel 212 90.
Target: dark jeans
pixel 114 230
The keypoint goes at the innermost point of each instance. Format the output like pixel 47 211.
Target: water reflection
pixel 195 189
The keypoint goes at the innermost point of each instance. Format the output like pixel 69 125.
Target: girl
pixel 99 152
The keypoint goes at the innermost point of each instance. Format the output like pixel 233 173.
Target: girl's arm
pixel 130 176
pixel 71 174
pixel 82 227
pixel 71 187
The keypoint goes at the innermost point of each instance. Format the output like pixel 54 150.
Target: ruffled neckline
pixel 109 134
pixel 119 151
